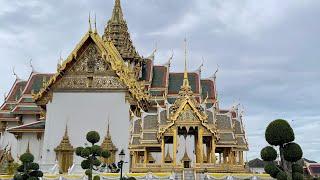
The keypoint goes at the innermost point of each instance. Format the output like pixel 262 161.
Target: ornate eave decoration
pixel 111 55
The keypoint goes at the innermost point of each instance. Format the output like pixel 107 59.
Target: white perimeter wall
pixel 84 112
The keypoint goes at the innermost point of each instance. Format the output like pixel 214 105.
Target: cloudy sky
pixel 267 51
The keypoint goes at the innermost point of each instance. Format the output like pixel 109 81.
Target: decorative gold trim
pixel 109 54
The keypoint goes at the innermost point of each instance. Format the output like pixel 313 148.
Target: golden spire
pixel 65 142
pixel 66 132
pixel 117 14
pixel 28 147
pixel 185 74
pixel 95 23
pixel 90 29
pixel 108 128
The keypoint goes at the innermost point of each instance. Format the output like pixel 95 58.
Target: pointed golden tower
pixel 64 152
pixel 107 144
pixel 117 31
pixel 28 148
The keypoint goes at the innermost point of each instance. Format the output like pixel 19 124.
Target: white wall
pixel 84 112
pixel 35 145
pixel 8 139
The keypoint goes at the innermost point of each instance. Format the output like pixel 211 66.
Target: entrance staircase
pixel 188 174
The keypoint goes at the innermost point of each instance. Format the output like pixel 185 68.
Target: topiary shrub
pixel 91 155
pixel 297 176
pixel 297 168
pixel 281 175
pixel 271 169
pixel 292 152
pixel 28 170
pixel 279 133
pixel 268 153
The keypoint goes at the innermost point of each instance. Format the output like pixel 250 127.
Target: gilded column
pixel 134 159
pixel 232 157
pixel 145 157
pixel 163 150
pixel 174 146
pixel 241 157
pixel 224 156
pixel 213 151
pixel 200 145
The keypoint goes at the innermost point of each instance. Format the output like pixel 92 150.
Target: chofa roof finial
pixel 90 28
pixel 185 74
pixel 95 23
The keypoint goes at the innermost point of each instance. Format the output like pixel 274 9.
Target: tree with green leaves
pixel 29 170
pixel 92 155
pixel 279 133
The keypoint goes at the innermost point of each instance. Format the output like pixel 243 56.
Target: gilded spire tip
pixel 95 23
pixel 90 28
pixel 185 75
pixel 28 147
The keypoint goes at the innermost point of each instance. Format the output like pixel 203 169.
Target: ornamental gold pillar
pixel 174 146
pixel 163 150
pixel 134 158
pixel 145 157
pixel 232 157
pixel 213 151
pixel 241 157
pixel 200 145
pixel 224 155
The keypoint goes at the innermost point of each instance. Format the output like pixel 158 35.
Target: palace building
pixel 165 121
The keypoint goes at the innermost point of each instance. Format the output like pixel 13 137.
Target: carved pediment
pixel 89 71
pixel 90 61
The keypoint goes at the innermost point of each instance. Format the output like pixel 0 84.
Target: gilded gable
pixel 90 71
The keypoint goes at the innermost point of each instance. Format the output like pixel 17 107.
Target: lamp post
pixel 120 164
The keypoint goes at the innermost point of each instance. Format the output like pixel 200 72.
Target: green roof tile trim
pixel 17 91
pixel 207 87
pixel 176 80
pixel 150 122
pixel 223 122
pixel 27 100
pixel 237 126
pixel 136 141
pixel 156 93
pixel 171 100
pixel 159 76
pixel 149 136
pixel 226 137
pixel 146 70
pixel 28 108
pixel 36 82
pixel 137 127
pixel 240 141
